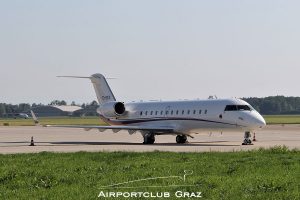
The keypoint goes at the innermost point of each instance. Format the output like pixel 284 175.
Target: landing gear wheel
pixel 180 139
pixel 247 140
pixel 149 139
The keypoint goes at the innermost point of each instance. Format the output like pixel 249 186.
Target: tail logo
pixel 105 98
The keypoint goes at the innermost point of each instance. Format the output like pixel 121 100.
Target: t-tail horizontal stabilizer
pixel 102 89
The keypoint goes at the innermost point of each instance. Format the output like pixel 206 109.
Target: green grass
pixel 260 174
pixel 54 120
pixel 282 119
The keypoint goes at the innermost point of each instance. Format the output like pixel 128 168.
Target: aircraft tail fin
pixel 102 89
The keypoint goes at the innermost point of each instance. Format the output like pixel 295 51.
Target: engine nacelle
pixel 112 109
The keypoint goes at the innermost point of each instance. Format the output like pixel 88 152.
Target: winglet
pixel 36 121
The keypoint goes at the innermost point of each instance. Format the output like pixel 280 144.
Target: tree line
pixel 273 105
pixel 89 109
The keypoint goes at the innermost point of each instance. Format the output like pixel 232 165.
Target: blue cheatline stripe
pixel 140 120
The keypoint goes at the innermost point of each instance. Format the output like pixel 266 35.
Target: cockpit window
pixel 231 108
pixel 243 107
pixel 238 108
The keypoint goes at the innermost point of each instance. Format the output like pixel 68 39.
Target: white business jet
pixel 180 118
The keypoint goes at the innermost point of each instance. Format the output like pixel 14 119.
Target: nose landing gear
pixel 247 139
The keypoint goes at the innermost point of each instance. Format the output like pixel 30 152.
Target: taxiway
pixel 17 140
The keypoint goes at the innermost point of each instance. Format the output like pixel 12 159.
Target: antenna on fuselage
pixel 213 97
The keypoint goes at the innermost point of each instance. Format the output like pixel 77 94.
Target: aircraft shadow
pixel 76 143
pixel 140 144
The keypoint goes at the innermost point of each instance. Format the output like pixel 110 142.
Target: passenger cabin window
pixel 200 111
pixel 237 108
pixel 188 112
pixel 183 112
pixel 151 112
pixel 172 112
pixel 194 112
pixel 176 112
pixel 146 112
pixel 161 112
pixel 205 112
pixel 156 112
pixel 141 113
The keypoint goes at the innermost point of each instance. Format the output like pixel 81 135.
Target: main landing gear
pixel 247 138
pixel 180 139
pixel 149 138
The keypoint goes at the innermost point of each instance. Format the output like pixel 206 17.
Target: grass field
pixel 54 120
pixel 260 174
pixel 282 119
pixel 270 119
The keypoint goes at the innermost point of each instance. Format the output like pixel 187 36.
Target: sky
pixel 156 49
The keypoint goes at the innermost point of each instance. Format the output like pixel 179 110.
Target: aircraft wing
pixel 118 128
pixel 115 129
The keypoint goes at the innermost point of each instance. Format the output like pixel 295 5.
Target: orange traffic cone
pixel 254 139
pixel 31 142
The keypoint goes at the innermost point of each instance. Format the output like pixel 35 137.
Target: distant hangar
pixel 55 111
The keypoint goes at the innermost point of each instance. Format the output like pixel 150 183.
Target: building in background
pixel 55 111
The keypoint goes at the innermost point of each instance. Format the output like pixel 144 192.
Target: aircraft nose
pixel 261 121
